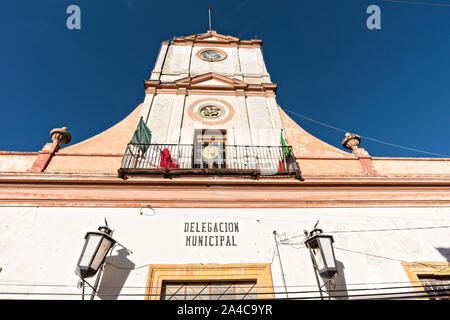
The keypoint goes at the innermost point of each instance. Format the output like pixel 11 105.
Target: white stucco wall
pixel 178 61
pixel 256 120
pixel 41 246
pixel 228 67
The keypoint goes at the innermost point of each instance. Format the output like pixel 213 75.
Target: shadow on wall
pixel 445 252
pixel 113 277
pixel 340 284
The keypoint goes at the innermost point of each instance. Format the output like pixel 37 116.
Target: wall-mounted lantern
pixel 96 247
pixel 322 253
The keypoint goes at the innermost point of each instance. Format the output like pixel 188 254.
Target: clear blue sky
pixel 391 84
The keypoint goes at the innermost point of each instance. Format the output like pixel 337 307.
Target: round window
pixel 212 55
pixel 210 111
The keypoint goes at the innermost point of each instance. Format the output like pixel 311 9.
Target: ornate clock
pixel 212 55
pixel 210 111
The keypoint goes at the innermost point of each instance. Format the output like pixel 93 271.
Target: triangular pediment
pixel 208 36
pixel 211 79
pixel 212 39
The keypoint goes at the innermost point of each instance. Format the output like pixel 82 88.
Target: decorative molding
pixel 59 137
pixel 366 161
pixel 99 191
pixel 44 157
pixel 212 38
pixel 226 81
pixel 74 154
pixel 158 273
pixel 228 86
pixel 351 142
pixel 415 269
pixel 192 111
pixel 18 153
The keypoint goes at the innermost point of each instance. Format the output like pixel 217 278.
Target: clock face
pixel 210 152
pixel 211 55
pixel 210 111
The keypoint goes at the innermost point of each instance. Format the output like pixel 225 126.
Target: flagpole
pixel 209 13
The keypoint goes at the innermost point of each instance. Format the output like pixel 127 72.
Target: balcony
pixel 212 159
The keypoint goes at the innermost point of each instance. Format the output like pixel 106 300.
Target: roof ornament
pixel 60 136
pixel 351 141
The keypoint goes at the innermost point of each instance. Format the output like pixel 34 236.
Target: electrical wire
pixel 145 287
pixel 368 138
pixel 374 230
pixel 394 229
pixel 419 3
pixel 397 295
pixel 446 283
pixel 393 259
pixel 441 292
pixel 369 254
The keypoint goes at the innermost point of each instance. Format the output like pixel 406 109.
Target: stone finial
pixel 351 141
pixel 60 136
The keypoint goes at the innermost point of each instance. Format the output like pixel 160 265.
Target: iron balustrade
pixel 203 159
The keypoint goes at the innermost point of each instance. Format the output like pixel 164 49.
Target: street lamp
pixel 322 253
pixel 96 247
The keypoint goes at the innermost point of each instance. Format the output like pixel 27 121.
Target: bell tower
pixel 210 104
pixel 212 81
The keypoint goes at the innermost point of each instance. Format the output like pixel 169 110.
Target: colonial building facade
pixel 215 205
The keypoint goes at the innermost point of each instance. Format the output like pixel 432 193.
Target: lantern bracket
pixel 313 242
pixel 81 284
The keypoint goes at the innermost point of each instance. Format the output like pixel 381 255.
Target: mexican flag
pixel 142 136
pixel 285 148
pixel 284 144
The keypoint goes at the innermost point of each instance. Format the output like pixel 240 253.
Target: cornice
pixel 206 39
pixel 107 190
pixel 194 85
pixel 136 179
pixel 18 153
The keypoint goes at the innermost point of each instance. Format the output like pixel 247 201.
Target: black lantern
pixel 96 247
pixel 322 252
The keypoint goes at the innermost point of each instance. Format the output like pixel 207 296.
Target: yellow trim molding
pixel 415 269
pixel 259 272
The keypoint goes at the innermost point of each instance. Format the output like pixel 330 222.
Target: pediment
pixel 211 39
pixel 208 36
pixel 211 79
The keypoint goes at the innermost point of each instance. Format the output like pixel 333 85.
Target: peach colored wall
pixel 112 140
pixel 415 167
pixel 306 145
pixel 324 167
pixel 83 164
pixel 16 163
pixel 99 190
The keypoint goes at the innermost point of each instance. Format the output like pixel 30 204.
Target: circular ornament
pixel 210 152
pixel 211 54
pixel 210 111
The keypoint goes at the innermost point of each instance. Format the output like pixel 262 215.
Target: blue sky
pixel 391 84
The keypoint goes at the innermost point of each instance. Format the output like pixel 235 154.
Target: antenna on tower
pixel 209 13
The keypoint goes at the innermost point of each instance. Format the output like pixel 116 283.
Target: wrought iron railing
pixel 213 159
